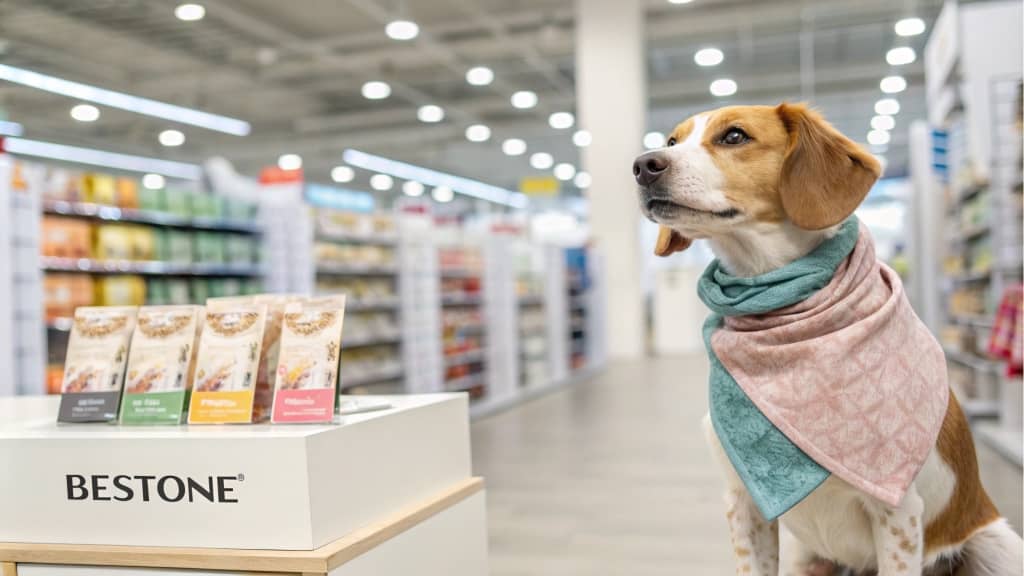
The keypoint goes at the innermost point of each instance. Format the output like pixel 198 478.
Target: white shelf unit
pixel 972 65
pixel 359 254
pixel 420 304
pixel 534 364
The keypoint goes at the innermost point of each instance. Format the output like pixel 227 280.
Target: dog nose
pixel 648 167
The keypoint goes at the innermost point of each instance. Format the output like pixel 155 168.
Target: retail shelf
pixel 978 322
pixel 150 217
pixel 975 408
pixel 972 232
pixel 367 379
pixel 61 324
pixel 467 357
pixel 364 340
pixel 461 300
pixel 1008 443
pixel 371 304
pixel 531 300
pixel 972 361
pixel 350 269
pixel 467 328
pixel 146 267
pixel 341 238
pixel 464 383
pixel 460 273
pixel 968 277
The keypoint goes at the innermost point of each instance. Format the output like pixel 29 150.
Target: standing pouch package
pixel 305 388
pixel 160 364
pixel 229 357
pixel 94 366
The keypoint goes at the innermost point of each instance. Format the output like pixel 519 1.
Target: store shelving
pixel 974 94
pixel 357 254
pixel 117 214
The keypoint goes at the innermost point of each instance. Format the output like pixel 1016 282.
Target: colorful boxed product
pixel 127 290
pixel 152 200
pixel 179 247
pixel 178 202
pixel 100 189
pixel 159 364
pixel 306 382
pixel 127 193
pixel 209 247
pixel 63 293
pixel 143 242
pixel 177 291
pixel 228 361
pixel 94 365
pixel 113 242
pixel 65 237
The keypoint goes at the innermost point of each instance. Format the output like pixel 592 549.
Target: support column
pixel 611 102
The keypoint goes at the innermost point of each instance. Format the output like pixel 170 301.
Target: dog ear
pixel 825 175
pixel 670 241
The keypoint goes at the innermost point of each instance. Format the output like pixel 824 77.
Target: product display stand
pixel 420 300
pixel 375 495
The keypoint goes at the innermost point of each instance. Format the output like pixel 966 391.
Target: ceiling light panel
pixel 123 101
pixel 102 158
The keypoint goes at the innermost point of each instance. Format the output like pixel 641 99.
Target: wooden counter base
pixel 264 562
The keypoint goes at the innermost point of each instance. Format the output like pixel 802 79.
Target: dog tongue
pixel 670 241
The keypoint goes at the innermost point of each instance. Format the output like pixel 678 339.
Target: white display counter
pixel 386 492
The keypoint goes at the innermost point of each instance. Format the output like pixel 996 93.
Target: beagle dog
pixel 765 186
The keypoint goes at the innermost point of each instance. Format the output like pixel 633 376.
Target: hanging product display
pixel 94 368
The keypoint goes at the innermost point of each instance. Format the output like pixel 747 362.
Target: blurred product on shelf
pixel 579 284
pixel 1006 341
pixel 463 330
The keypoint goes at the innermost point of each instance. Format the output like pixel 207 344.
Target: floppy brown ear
pixel 670 242
pixel 825 175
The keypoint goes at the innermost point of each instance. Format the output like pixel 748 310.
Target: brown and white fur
pixel 765 185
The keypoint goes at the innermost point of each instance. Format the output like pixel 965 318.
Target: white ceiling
pixel 294 70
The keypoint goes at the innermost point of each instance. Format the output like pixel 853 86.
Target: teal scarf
pixel 776 472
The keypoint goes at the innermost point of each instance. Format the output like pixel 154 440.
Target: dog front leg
pixel 898 534
pixel 754 540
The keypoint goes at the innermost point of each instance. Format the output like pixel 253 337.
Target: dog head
pixel 751 168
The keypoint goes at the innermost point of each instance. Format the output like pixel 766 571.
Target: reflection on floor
pixel 612 477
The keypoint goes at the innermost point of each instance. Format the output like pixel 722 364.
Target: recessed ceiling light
pixel 376 90
pixel 542 160
pixel 480 76
pixel 708 57
pixel 189 12
pixel 381 182
pixel 679 1
pixel 153 181
pixel 878 137
pixel 524 99
pixel 478 133
pixel 887 107
pixel 723 87
pixel 582 180
pixel 513 147
pixel 289 161
pixel 442 194
pixel 893 84
pixel 910 27
pixel 654 140
pixel 565 171
pixel 430 113
pixel 561 120
pixel 85 113
pixel 171 138
pixel 582 138
pixel 343 174
pixel 882 122
pixel 412 188
pixel 900 56
pixel 402 30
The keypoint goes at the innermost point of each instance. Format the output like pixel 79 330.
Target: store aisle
pixel 612 477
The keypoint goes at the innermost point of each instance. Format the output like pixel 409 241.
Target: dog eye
pixel 671 142
pixel 734 137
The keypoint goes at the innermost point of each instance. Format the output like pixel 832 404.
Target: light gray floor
pixel 612 477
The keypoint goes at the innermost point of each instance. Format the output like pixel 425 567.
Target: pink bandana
pixel 850 375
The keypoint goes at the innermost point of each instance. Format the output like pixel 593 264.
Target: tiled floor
pixel 612 477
